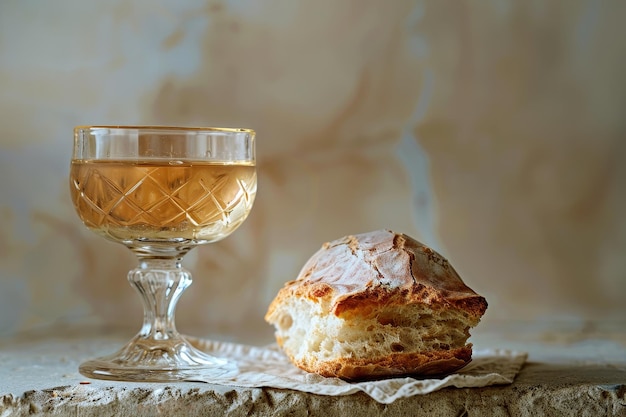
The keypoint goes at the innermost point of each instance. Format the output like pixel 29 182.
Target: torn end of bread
pixel 390 340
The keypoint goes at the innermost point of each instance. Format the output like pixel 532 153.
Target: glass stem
pixel 160 283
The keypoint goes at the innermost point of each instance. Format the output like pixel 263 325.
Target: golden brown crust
pixel 361 271
pixel 432 363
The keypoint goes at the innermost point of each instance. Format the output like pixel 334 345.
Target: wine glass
pixel 161 191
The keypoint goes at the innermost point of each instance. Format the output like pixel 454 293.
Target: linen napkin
pixel 268 366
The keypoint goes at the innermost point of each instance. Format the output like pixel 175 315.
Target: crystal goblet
pixel 161 191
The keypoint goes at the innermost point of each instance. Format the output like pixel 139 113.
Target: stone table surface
pixel 572 369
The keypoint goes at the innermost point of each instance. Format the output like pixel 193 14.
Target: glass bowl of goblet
pixel 161 191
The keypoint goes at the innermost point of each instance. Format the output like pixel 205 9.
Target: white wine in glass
pixel 161 191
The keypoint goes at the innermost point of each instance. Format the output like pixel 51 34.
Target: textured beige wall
pixel 527 140
pixel 493 131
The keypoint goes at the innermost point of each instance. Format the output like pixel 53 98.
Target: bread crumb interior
pixel 309 334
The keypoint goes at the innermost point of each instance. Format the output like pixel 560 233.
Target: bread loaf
pixel 374 305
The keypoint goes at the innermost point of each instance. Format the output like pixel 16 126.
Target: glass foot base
pixel 160 361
